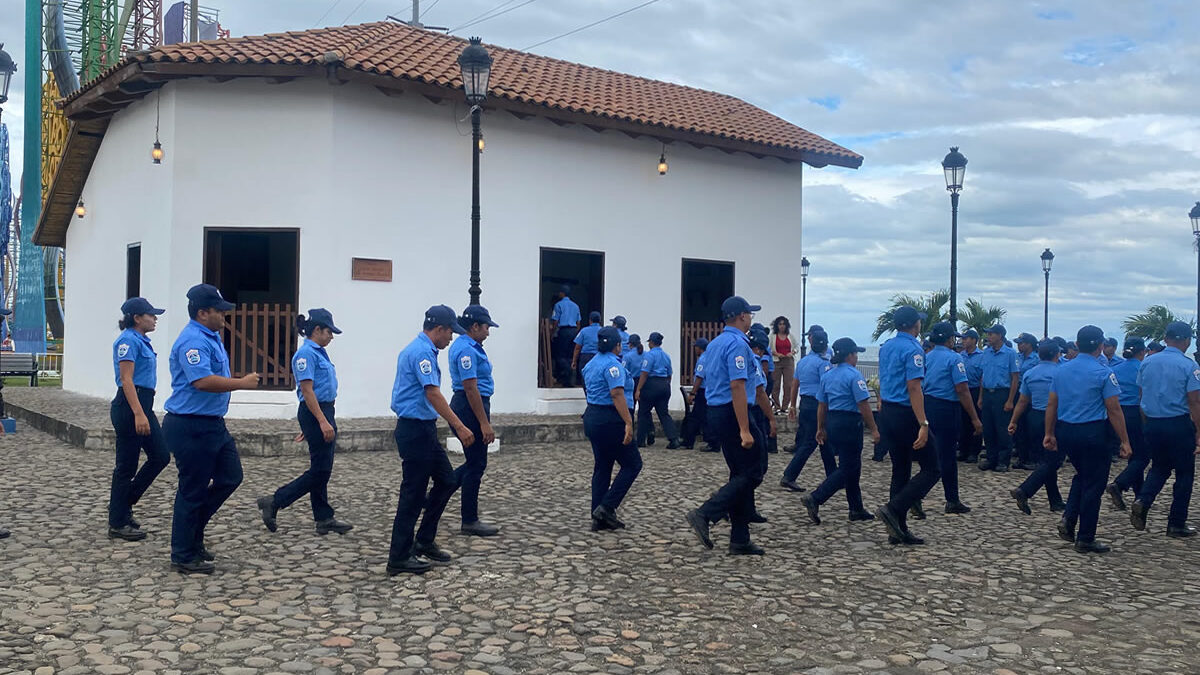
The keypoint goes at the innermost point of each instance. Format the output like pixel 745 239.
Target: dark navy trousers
pixel 209 472
pixel 422 459
pixel 128 482
pixel 844 431
pixel 898 424
pixel 315 481
pixel 1134 474
pixel 469 475
pixel 655 396
pixel 605 429
pixel 969 444
pixel 995 427
pixel 735 499
pixel 1086 445
pixel 1045 474
pixel 806 441
pixel 945 420
pixel 696 421
pixel 1172 442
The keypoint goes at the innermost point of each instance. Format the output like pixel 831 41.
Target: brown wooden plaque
pixel 370 269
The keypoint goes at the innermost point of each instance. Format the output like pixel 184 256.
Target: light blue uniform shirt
pixel 468 361
pixel 624 341
pixel 1114 360
pixel 197 353
pixel 588 339
pixel 768 364
pixel 566 313
pixel 944 369
pixel 1026 363
pixel 1127 376
pixel 842 388
pixel 974 363
pixel 1166 381
pixel 134 347
pixel 998 367
pixel 900 359
pixel 698 371
pixel 729 358
pixel 1082 384
pixel 1035 384
pixel 633 361
pixel 311 362
pixel 809 372
pixel 657 363
pixel 603 374
pixel 416 368
pixel 760 381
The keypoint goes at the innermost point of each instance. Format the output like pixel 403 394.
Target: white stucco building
pixel 289 156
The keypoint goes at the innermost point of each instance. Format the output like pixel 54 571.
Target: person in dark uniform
pixel 633 357
pixel 761 412
pixel 1035 395
pixel 1084 392
pixel 133 419
pixel 1127 371
pixel 564 325
pixel 1154 348
pixel 997 399
pixel 842 410
pixel 194 428
pixel 654 393
pixel 806 381
pixel 1027 358
pixel 903 424
pixel 970 443
pixel 1171 400
pixel 585 343
pixel 697 419
pixel 622 325
pixel 471 379
pixel 316 387
pixel 608 424
pixel 729 369
pixel 760 344
pixel 417 401
pixel 947 397
pixel 1110 353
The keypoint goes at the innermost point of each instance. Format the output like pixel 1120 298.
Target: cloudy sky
pixel 1079 120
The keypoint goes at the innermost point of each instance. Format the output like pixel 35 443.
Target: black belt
pixel 196 417
pixel 995 389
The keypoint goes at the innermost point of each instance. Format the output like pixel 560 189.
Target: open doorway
pixel 704 286
pixel 583 271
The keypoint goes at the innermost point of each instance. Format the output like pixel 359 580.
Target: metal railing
pixel 50 365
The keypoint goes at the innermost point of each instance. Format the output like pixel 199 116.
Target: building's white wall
pixel 362 174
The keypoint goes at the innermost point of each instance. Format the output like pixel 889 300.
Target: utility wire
pixel 331 8
pixel 354 11
pixel 594 23
pixel 502 5
pixel 488 18
pixel 426 10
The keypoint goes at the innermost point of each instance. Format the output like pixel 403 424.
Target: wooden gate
pixel 262 338
pixel 545 354
pixel 689 332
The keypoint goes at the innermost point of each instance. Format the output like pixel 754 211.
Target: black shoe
pixel 699 525
pixel 790 485
pixel 1091 547
pixel 748 548
pixel 811 506
pixel 861 515
pixel 1001 469
pixel 890 521
pixel 266 508
pixel 709 448
pixel 1137 515
pixel 910 539
pixel 916 511
pixel 134 524
pixel 599 526
pixel 957 508
pixel 877 457
pixel 432 552
pixel 1066 531
pixel 479 529
pixel 1022 501
pixel 650 440
pixel 1020 466
pixel 1058 507
pixel 1181 532
pixel 4 534
pixel 757 518
pixel 196 566
pixel 973 459
pixel 333 525
pixel 1116 496
pixel 687 446
pixel 128 533
pixel 673 445
pixel 608 517
pixel 410 565
pixel 985 466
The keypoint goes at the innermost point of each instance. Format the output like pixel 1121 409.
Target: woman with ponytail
pixel 316 387
pixel 1131 400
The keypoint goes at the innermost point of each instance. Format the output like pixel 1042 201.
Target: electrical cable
pixel 500 6
pixel 426 10
pixel 354 11
pixel 594 23
pixel 331 8
pixel 488 18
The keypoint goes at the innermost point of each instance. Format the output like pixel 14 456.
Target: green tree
pixel 932 305
pixel 975 315
pixel 1152 323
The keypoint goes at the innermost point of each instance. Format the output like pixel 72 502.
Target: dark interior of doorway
pixel 583 271
pixel 704 286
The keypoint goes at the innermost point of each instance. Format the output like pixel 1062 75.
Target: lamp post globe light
pixel 476 66
pixel 803 306
pixel 1047 262
pixel 7 68
pixel 1194 214
pixel 955 167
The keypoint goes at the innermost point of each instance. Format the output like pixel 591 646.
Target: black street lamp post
pixel 1194 214
pixel 1047 262
pixel 803 306
pixel 476 65
pixel 7 68
pixel 955 167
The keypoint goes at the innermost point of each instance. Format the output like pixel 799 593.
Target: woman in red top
pixel 783 352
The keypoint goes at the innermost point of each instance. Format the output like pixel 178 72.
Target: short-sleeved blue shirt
pixel 944 369
pixel 633 361
pixel 1166 381
pixel 197 353
pixel 657 363
pixel 768 364
pixel 1025 363
pixel 900 359
pixel 603 374
pixel 760 380
pixel 566 313
pixel 588 339
pixel 134 347
pixel 1035 384
pixel 468 361
pixel 729 358
pixel 809 372
pixel 1127 376
pixel 998 367
pixel 698 371
pixel 974 362
pixel 842 388
pixel 311 362
pixel 1082 384
pixel 416 368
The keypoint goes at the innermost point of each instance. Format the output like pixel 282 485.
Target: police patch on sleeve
pixel 301 364
pixel 426 366
pixel 700 369
pixel 122 350
pixel 465 362
pixel 962 368
pixel 1112 377
pixel 862 384
pixel 739 362
pixel 614 371
pixel 192 356
pixel 1196 374
pixel 919 360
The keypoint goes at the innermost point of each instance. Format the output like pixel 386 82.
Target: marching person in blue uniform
pixel 1070 352
pixel 585 343
pixel 1083 394
pixel 194 428
pixel 135 366
pixel 471 379
pixel 842 410
pixel 762 413
pixel 806 381
pixel 1035 395
pixel 654 393
pixel 417 401
pixel 1110 353
pixel 760 344
pixel 1127 372
pixel 946 399
pixel 317 388
pixel 1171 400
pixel 633 358
pixel 564 325
pixel 903 424
pixel 729 384
pixel 1027 358
pixel 997 399
pixel 697 419
pixel 608 424
pixel 970 443
pixel 621 324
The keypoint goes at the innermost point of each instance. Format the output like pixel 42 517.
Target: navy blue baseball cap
pixel 564 289
pixel 1110 341
pixel 815 328
pixel 136 306
pixel 1089 338
pixel 1062 342
pixel 655 337
pixel 206 296
pixel 1155 346
pixel 906 316
pixel 595 317
pixel 619 321
pixel 970 333
pixel 1134 344
pixel 1048 349
pixel 477 314
pixel 758 338
pixel 843 347
pixel 1178 330
pixel 635 339
pixel 607 339
pixel 942 332
pixel 441 315
pixel 736 306
pixel 1071 346
pixel 999 329
pixel 1027 338
pixel 702 343
pixel 323 317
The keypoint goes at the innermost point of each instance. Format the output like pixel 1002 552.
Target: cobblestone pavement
pixel 995 592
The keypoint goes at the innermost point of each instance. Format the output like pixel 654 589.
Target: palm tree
pixel 975 316
pixel 1152 323
pixel 932 306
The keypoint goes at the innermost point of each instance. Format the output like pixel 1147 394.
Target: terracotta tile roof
pixel 397 51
